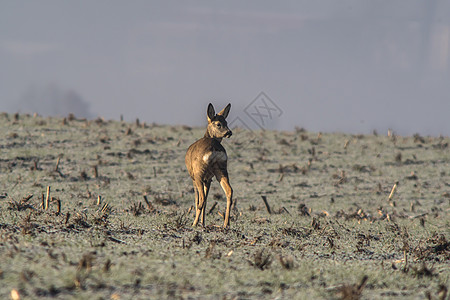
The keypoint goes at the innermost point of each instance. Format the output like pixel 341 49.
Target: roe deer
pixel 207 158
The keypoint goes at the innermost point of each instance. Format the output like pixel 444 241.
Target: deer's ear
pixel 225 111
pixel 210 112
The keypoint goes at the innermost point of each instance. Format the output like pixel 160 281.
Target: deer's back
pixel 205 158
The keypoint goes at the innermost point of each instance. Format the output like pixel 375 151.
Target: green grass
pixel 332 223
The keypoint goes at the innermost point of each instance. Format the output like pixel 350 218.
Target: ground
pixel 347 216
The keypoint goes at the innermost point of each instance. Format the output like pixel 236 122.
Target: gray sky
pixel 351 66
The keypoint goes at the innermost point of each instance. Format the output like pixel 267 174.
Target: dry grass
pixel 313 216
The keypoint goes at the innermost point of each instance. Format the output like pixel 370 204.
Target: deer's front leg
pixel 225 184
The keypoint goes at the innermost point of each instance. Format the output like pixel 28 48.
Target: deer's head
pixel 217 125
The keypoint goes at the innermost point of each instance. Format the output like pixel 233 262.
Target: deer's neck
pixel 208 135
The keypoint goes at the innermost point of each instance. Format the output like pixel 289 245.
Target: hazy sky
pixel 351 66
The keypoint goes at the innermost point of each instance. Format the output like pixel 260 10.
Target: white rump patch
pixel 215 156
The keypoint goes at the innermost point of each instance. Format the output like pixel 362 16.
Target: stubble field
pixel 332 232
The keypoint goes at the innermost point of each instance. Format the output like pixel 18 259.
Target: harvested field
pixel 347 216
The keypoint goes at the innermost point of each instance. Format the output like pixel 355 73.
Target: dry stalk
pixel 47 199
pixel 105 207
pixel 149 205
pixel 57 163
pixel 95 168
pixel 394 188
pixel 346 144
pixel 264 198
pixel 212 208
pixel 67 219
pixel 58 206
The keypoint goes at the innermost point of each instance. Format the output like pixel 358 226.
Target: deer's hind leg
pixel 200 200
pixel 196 195
pixel 206 189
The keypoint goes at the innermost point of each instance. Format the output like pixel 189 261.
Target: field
pixel 348 216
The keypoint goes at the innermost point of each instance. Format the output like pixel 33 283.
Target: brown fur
pixel 207 158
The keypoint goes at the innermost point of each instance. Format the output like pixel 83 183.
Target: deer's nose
pixel 228 134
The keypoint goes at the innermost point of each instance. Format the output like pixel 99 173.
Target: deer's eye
pixel 219 125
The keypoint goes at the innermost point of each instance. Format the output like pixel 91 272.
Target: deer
pixel 206 158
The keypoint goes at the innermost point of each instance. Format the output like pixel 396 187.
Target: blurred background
pixel 352 66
